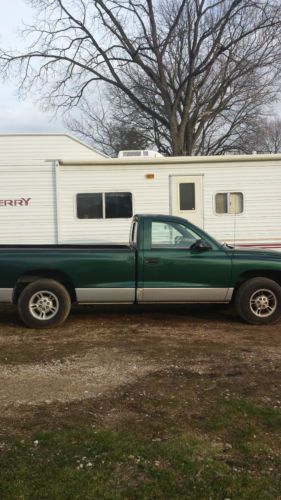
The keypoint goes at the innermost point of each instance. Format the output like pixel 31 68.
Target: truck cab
pixel 178 262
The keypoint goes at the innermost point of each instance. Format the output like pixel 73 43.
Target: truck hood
pixel 256 253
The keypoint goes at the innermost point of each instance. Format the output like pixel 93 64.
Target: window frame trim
pixel 229 192
pixel 103 193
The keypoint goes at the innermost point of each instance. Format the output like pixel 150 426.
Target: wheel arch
pixel 256 273
pixel 35 275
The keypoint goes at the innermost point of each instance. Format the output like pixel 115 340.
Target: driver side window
pixel 171 235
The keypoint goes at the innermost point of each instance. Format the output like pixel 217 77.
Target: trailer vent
pixel 140 154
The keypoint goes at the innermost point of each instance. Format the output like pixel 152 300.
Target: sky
pixel 17 115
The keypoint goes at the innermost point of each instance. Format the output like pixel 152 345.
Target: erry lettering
pixel 20 202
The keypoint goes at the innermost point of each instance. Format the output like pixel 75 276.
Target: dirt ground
pixel 122 367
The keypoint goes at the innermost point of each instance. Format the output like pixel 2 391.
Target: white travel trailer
pixel 24 148
pixel 237 199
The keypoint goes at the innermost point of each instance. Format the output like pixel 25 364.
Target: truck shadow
pixel 209 312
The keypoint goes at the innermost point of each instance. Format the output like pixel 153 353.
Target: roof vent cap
pixel 142 153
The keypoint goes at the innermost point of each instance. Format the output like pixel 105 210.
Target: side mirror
pixel 201 246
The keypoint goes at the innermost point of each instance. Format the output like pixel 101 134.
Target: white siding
pixel 261 218
pixel 22 149
pixel 147 198
pixel 260 185
pixel 35 223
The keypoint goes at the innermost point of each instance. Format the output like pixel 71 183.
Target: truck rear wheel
pixel 258 301
pixel 44 303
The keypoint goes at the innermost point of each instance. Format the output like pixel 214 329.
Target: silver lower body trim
pixel 6 294
pixel 229 294
pixel 184 294
pixel 105 295
pixel 127 295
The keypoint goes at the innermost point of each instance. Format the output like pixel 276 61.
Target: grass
pixel 95 463
pixel 231 409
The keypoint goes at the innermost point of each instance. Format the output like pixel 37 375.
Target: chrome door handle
pixel 152 261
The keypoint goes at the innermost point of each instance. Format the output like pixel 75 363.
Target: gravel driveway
pixel 101 354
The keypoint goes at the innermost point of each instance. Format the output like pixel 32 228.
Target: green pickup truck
pixel 168 260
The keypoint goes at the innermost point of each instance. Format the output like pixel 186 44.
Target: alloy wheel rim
pixel 263 303
pixel 43 305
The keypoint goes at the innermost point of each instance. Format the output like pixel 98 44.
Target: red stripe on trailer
pixel 261 245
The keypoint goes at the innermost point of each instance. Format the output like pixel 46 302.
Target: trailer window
pixel 118 205
pixel 229 203
pixel 187 196
pixel 104 205
pixel 89 206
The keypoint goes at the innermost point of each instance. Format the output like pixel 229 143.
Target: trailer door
pixel 187 198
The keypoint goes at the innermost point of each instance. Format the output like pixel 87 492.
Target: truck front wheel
pixel 44 303
pixel 258 301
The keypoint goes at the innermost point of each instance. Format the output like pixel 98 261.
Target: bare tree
pixel 107 133
pixel 222 133
pixel 186 66
pixel 262 136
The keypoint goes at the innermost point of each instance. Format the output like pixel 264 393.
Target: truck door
pixel 187 198
pixel 174 270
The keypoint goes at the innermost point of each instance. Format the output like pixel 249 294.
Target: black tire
pixel 258 301
pixel 50 308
